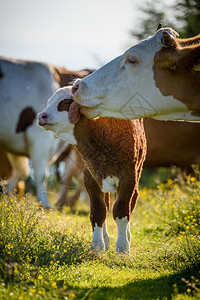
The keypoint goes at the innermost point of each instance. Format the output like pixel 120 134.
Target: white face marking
pixel 58 121
pixel 97 239
pixel 109 184
pixel 123 238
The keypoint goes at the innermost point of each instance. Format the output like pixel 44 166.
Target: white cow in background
pixel 25 87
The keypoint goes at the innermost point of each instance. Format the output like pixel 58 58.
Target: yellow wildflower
pixel 72 295
pixel 54 284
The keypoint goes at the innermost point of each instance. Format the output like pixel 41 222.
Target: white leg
pixel 106 236
pixel 40 146
pixel 123 244
pixel 97 239
pixel 39 167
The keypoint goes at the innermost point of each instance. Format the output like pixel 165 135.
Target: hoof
pixel 107 241
pixel 46 205
pixel 97 246
pixel 123 248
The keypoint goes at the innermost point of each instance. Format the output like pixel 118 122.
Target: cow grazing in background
pixel 25 87
pixel 159 78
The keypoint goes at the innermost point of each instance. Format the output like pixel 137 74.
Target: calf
pixel 113 152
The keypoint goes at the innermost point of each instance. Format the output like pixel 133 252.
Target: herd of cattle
pixel 24 90
pixel 107 153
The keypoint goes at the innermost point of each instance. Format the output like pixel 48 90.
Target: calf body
pixel 113 152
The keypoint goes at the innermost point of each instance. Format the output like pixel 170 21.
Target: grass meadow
pixel 45 254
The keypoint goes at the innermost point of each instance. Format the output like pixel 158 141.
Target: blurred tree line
pixel 183 16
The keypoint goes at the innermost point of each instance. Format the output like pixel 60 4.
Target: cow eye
pixel 131 60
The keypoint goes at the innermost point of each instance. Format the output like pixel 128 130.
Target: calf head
pixel 60 115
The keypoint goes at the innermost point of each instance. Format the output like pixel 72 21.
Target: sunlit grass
pixel 45 254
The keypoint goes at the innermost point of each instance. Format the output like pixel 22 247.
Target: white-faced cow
pixel 24 90
pixel 159 78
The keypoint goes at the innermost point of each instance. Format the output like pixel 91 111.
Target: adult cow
pixel 172 143
pixel 25 87
pixel 159 78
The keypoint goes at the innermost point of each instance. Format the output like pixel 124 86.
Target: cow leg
pixel 122 212
pixel 40 151
pixel 39 167
pixel 133 204
pixel 63 197
pixel 20 170
pixel 98 211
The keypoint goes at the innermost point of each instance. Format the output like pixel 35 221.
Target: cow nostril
pixel 75 88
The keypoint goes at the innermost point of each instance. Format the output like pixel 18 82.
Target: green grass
pixel 45 254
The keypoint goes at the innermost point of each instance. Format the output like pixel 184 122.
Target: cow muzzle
pixel 43 119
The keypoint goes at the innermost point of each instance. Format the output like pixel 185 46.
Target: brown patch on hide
pixel 26 119
pixel 64 105
pixel 176 72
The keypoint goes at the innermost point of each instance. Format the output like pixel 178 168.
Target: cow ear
pixel 189 58
pixel 169 37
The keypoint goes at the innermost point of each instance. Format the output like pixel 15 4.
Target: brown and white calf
pixel 113 152
pixel 25 87
pixel 159 78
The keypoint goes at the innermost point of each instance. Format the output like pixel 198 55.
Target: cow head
pixel 60 115
pixel 129 87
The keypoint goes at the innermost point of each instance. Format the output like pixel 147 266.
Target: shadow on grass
pixel 80 212
pixel 159 288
